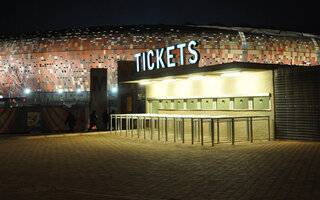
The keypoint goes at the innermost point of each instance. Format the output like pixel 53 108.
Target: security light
pixel 114 90
pixel 27 91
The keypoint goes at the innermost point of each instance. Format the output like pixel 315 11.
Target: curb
pixel 26 137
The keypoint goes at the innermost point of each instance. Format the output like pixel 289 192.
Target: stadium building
pixel 280 71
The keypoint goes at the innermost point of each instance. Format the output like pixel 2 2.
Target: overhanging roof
pixel 127 70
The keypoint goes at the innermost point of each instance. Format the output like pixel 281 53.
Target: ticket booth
pixel 233 89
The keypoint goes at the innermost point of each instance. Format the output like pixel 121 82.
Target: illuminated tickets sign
pixel 144 60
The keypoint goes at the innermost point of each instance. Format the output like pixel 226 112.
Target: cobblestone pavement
pixel 102 166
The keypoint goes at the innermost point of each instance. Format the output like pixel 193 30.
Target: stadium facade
pixel 280 78
pixel 56 61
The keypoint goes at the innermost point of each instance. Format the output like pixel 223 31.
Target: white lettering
pixel 146 58
pixel 170 56
pixel 144 61
pixel 195 53
pixel 159 58
pixel 137 56
pixel 181 46
pixel 149 60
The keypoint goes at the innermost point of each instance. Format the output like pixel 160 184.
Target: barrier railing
pixel 168 126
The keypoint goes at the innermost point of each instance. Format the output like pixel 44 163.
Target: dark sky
pixel 29 16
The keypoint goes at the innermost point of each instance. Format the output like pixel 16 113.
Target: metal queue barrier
pixel 156 126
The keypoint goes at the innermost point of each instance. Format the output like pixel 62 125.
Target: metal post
pixel 174 129
pixel 116 125
pixel 158 128
pixel 212 132
pixel 232 126
pixel 127 124
pixel 201 131
pixel 192 131
pixel 166 124
pixel 218 131
pixel 182 129
pixel 251 130
pixel 138 127
pixel 269 128
pixel 111 124
pixel 248 134
pixel 120 125
pixel 145 127
pixel 132 126
pixel 151 128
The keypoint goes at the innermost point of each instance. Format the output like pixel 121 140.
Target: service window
pixel 166 104
pixel 261 103
pixel 192 104
pixel 206 104
pixel 223 104
pixel 178 104
pixel 240 103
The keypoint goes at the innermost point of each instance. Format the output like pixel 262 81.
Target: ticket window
pixel 179 104
pixel 261 103
pixel 223 104
pixel 166 104
pixel 240 103
pixel 192 104
pixel 206 104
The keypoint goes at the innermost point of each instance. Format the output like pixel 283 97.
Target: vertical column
pixel 192 130
pixel 111 116
pixel 174 129
pixel 212 132
pixel 120 125
pixel 166 124
pixel 182 129
pixel 232 133
pixel 127 124
pixel 158 128
pixel 251 130
pixel 116 125
pixel 201 131
pixel 132 118
pixel 218 131
pixel 145 127
pixel 269 128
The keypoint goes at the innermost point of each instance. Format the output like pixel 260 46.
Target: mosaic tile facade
pixel 46 62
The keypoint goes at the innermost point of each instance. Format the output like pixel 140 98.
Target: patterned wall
pixel 48 61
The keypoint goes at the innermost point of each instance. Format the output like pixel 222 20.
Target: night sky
pixel 30 16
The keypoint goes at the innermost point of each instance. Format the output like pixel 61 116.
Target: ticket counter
pixel 234 89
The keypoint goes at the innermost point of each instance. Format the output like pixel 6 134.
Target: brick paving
pixel 103 166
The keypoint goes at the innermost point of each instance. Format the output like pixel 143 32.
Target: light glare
pixel 168 80
pixel 196 77
pixel 145 82
pixel 27 91
pixel 232 74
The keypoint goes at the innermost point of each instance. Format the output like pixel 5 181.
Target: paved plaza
pixel 103 166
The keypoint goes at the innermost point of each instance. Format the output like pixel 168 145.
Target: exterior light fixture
pixel 145 82
pixel 114 90
pixel 78 90
pixel 196 78
pixel 232 74
pixel 27 91
pixel 60 91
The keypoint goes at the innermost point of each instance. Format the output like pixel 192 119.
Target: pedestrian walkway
pixel 103 166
